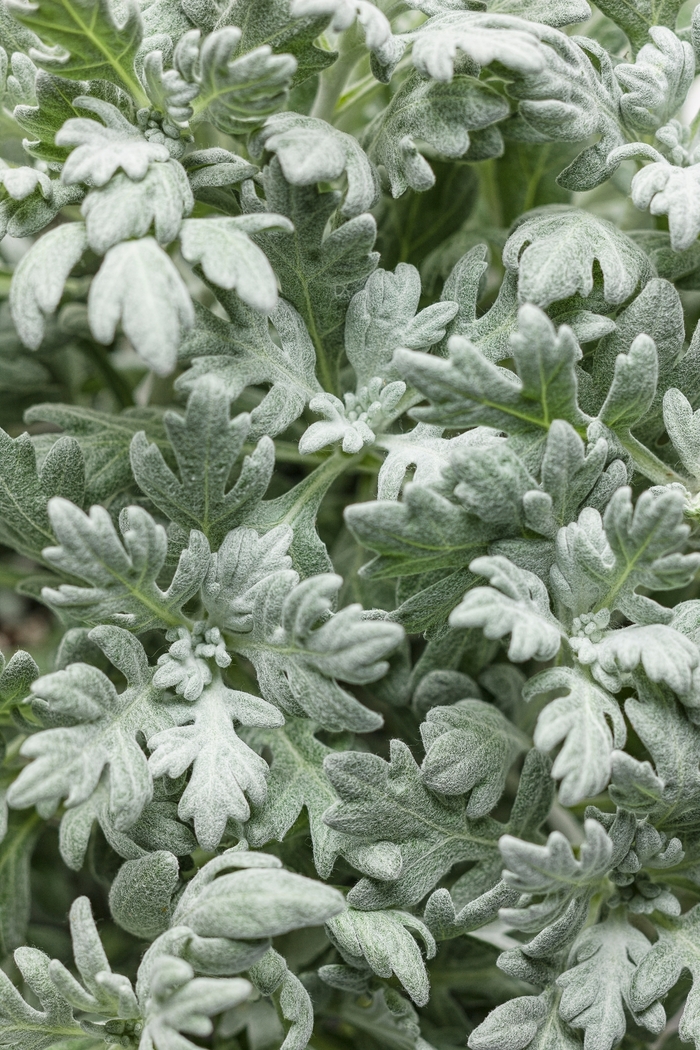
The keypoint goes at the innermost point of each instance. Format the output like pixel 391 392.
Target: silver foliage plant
pixel 350 377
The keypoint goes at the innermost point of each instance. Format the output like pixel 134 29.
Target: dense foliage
pixel 350 507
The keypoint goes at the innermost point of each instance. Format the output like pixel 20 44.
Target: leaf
pixel 636 20
pixel 579 719
pixel 39 280
pixel 683 427
pixel 138 285
pixel 633 386
pixel 238 90
pixel 516 604
pixel 230 259
pixel 556 886
pixel 123 208
pixel 384 940
pixel 599 564
pixel 55 97
pixel 424 532
pixel 297 780
pixel 309 151
pixel 180 1002
pixel 122 575
pixel 269 22
pixel 224 768
pixel 144 915
pixel 665 654
pixel 101 149
pixel 602 965
pixel 85 40
pixel 16 850
pixel 101 992
pixel 469 747
pixel 104 440
pixel 665 189
pixel 468 390
pixel 243 354
pixel 318 270
pixel 674 952
pixel 668 790
pixel 297 665
pixel 384 316
pixel 376 26
pixel 483 38
pixel 253 902
pixel 441 114
pixel 272 976
pixel 25 1027
pixel 94 728
pixel 528 1020
pixel 414 835
pixel 206 445
pixel 554 252
pixel 25 490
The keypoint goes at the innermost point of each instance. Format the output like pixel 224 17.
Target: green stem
pixel 333 80
pixel 648 464
pixel 12 577
pixel 320 479
pixel 489 191
pixel 116 382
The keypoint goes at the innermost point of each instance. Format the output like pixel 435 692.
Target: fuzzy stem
pixel 333 80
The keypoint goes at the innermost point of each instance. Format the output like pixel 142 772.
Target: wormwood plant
pixel 350 379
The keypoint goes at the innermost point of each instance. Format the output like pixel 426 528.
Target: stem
pixel 116 382
pixel 560 819
pixel 332 81
pixel 489 190
pixel 12 577
pixel 648 464
pixel 319 479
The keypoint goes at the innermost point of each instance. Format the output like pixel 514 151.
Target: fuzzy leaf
pixel 599 564
pixel 86 41
pixel 230 259
pixel 384 939
pixel 674 952
pixel 310 151
pixel 469 747
pixel 516 604
pixel 180 1002
pixel 123 208
pixel 297 780
pixel 206 445
pixel 602 965
pixel 384 316
pixel 104 439
pixel 468 390
pixel 385 807
pixel 441 114
pixel 22 1025
pixel 579 718
pixel 236 90
pixel 554 253
pixel 253 902
pixel 94 728
pixel 318 270
pixel 297 665
pixel 243 353
pixel 39 280
pixel 26 490
pixel 138 285
pixel 122 575
pixel 224 769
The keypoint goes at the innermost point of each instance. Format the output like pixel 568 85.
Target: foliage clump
pixel 350 384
